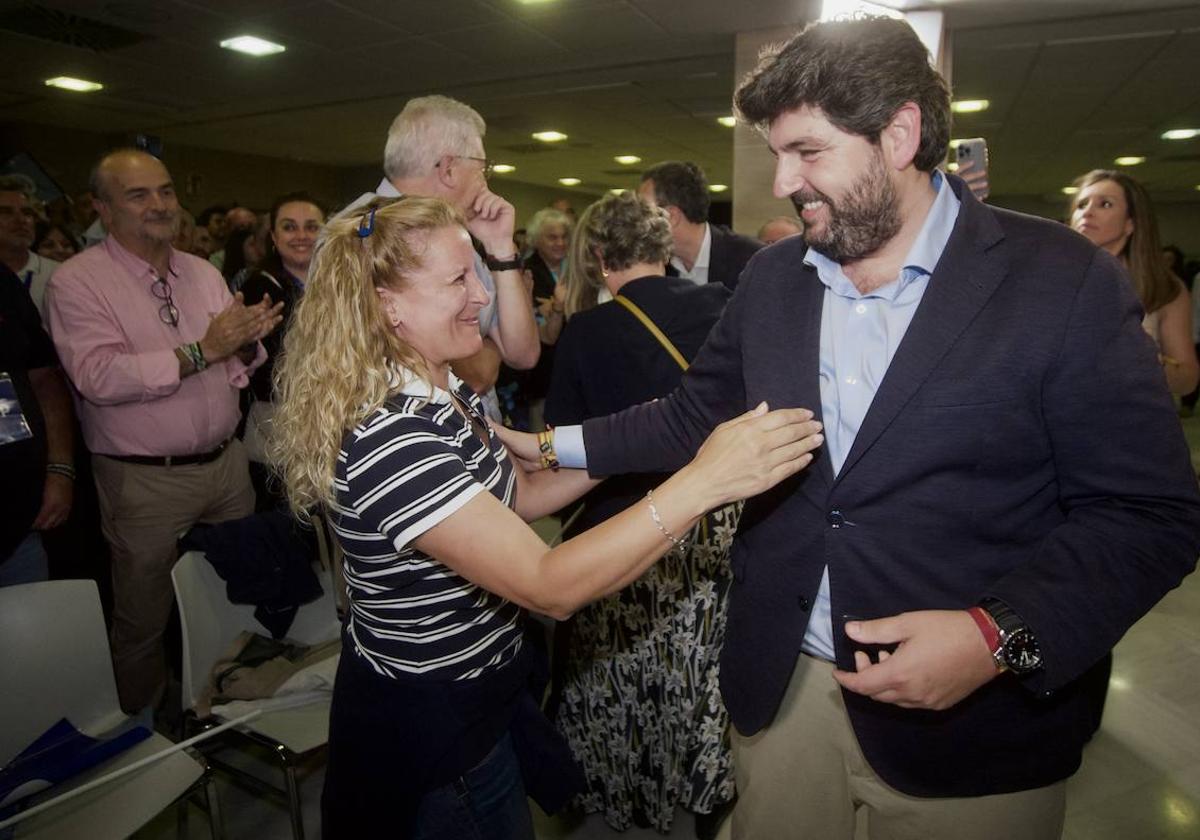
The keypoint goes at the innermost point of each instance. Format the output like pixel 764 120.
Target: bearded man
pixel 916 620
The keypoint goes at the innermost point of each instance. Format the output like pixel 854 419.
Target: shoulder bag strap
pixel 653 328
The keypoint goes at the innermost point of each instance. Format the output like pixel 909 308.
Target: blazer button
pixel 836 519
pixel 803 603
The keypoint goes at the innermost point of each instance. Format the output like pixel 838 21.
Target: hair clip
pixel 367 226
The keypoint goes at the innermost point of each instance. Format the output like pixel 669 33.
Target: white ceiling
pixel 1072 83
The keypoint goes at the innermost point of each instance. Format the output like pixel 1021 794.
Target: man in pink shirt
pixel 157 350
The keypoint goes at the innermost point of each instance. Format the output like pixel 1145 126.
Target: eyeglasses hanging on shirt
pixel 168 312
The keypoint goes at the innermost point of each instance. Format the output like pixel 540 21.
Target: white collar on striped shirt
pixel 412 385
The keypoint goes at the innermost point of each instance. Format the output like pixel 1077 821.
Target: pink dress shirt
pixel 120 355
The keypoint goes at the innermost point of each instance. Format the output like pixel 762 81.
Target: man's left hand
pixel 942 657
pixel 57 496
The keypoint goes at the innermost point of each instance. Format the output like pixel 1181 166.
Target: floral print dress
pixel 641 705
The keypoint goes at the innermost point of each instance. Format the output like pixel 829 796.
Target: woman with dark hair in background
pixel 639 700
pixel 1114 211
pixel 242 254
pixel 295 223
pixel 54 242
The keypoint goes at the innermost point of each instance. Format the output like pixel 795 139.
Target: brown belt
pixel 173 460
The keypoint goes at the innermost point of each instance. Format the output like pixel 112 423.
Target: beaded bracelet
pixel 549 457
pixel 195 355
pixel 61 469
pixel 658 521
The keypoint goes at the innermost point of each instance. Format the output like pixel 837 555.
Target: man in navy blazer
pixel 704 253
pixel 1004 488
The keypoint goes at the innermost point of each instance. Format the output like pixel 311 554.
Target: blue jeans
pixel 485 803
pixel 26 564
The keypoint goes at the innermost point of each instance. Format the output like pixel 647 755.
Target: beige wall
pixel 753 165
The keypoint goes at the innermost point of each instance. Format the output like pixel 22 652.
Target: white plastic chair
pixel 210 623
pixel 56 664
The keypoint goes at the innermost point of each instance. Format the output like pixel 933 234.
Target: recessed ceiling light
pixel 728 122
pixel 622 191
pixel 969 106
pixel 549 136
pixel 504 168
pixel 627 160
pixel 718 187
pixel 1181 134
pixel 951 167
pixel 569 182
pixel 1129 160
pixel 77 85
pixel 1070 190
pixel 250 45
pixel 848 9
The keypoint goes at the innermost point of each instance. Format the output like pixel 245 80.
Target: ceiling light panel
pixel 73 84
pixel 252 45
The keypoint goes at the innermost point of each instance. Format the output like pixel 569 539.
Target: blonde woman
pixel 1114 211
pixel 431 723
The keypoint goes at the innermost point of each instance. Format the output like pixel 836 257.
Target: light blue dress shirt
pixel 859 336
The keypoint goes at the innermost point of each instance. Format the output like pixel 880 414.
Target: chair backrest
pixel 55 662
pixel 209 622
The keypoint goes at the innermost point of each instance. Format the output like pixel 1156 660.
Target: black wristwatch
pixel 513 264
pixel 1018 651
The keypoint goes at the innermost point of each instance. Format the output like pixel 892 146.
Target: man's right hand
pixel 238 325
pixel 491 223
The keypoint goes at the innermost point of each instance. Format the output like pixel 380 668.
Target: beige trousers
pixel 143 511
pixel 805 778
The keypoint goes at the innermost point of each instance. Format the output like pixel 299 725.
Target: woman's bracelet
pixel 549 457
pixel 61 469
pixel 678 543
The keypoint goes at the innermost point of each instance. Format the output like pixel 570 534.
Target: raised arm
pixel 515 332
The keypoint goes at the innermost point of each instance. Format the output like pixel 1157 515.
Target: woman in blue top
pixel 431 717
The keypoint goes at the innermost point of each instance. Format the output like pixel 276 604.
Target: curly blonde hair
pixel 340 355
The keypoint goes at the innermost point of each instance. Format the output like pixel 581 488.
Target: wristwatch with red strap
pixel 1012 643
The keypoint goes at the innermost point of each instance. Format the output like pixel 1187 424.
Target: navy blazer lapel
pixel 717 255
pixel 803 362
pixel 971 267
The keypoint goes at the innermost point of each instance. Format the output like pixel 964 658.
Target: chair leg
pixel 293 793
pixel 181 817
pixel 216 827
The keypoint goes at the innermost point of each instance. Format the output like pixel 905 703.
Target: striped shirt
pixel 404 469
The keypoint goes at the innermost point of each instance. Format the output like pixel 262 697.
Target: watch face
pixel 1021 652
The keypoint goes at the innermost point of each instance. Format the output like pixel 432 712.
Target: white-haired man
pixel 435 149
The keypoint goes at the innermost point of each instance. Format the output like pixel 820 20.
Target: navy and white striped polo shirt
pixel 401 471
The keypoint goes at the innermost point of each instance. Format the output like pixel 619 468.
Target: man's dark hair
pixel 680 184
pixel 208 212
pixel 858 73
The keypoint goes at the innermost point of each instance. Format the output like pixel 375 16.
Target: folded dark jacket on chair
pixel 265 559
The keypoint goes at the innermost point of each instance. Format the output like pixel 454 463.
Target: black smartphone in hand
pixel 871 650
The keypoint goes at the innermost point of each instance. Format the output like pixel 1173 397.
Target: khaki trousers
pixel 143 511
pixel 804 777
